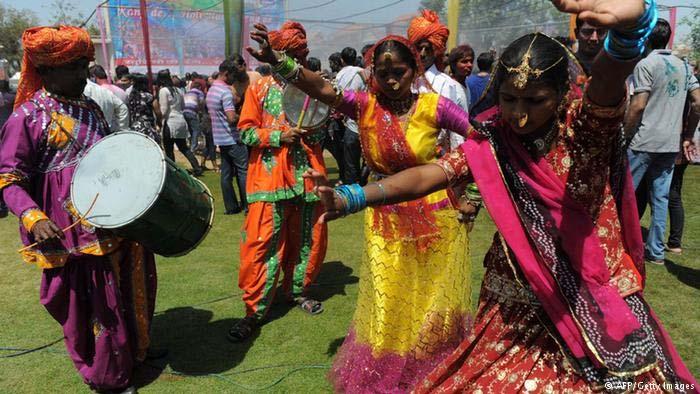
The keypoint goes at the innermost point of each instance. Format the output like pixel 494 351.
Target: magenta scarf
pixel 559 253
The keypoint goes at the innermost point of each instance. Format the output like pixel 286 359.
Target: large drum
pixel 143 196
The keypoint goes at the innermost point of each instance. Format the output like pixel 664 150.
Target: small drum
pixel 143 196
pixel 293 103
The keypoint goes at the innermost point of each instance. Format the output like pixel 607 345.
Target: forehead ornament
pixel 524 71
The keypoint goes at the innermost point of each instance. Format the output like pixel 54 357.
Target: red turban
pixel 291 38
pixel 50 46
pixel 428 27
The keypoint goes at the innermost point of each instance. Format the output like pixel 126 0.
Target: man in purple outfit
pixel 99 288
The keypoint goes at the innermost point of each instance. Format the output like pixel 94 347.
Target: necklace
pixel 398 107
pixel 539 146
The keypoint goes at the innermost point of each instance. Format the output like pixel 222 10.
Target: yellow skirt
pixel 411 301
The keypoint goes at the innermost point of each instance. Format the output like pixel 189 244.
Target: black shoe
pixel 233 211
pixel 3 213
pixel 244 329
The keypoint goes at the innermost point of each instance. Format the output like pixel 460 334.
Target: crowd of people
pixel 565 148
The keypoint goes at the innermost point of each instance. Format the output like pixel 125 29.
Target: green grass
pixel 198 300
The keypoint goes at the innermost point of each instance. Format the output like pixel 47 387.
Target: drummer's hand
pixel 291 136
pixel 45 230
pixel 265 54
pixel 330 201
pixel 604 13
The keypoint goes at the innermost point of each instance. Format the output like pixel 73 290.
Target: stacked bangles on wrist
pixel 352 197
pixel 287 68
pixel 628 43
pixel 472 196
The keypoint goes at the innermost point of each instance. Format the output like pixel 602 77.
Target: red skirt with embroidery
pixel 511 347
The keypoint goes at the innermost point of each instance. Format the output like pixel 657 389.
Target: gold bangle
pixel 30 217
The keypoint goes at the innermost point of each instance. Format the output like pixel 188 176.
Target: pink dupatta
pixel 562 259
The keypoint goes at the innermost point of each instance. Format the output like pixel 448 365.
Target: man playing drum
pixel 281 229
pixel 99 288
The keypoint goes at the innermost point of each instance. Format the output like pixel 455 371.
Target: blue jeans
pixel 234 162
pixel 658 167
pixel 195 129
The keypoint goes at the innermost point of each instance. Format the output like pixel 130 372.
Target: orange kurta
pixel 281 229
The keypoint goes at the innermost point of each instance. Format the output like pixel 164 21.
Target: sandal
pixel 309 305
pixel 242 330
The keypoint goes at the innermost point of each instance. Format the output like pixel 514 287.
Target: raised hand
pixel 331 202
pixel 265 54
pixel 604 13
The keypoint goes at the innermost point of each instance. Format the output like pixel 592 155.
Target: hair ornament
pixel 524 71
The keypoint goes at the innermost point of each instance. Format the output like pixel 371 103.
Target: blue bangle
pixel 353 198
pixel 627 44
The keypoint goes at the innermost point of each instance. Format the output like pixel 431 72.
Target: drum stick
pixel 77 222
pixel 304 108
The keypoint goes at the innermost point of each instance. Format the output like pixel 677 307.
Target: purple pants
pixel 105 305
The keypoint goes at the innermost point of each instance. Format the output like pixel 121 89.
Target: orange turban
pixel 50 46
pixel 428 27
pixel 290 38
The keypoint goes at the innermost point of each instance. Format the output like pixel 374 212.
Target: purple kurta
pixel 37 161
pixel 99 288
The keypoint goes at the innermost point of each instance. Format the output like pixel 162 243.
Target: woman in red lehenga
pixel 561 306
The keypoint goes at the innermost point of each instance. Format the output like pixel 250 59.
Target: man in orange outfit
pixel 281 229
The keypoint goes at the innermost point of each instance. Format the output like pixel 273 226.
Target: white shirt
pixel 450 89
pixel 171 106
pixel 115 111
pixel 350 78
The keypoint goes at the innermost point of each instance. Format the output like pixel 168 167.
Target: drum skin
pixel 142 195
pixel 292 103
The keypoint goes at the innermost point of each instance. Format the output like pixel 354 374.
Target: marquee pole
pixel 146 41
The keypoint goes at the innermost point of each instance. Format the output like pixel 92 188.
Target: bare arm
pixel 693 115
pixel 607 87
pixel 309 82
pixel 407 185
pixel 633 116
pixel 689 149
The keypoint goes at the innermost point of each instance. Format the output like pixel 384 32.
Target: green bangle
pixel 286 67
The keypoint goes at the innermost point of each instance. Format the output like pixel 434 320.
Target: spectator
pixel 174 126
pixel 350 77
pixel 234 154
pixel 264 70
pixel 194 106
pixel 335 62
pixel 478 83
pixel 461 61
pixel 7 100
pixel 123 79
pixel 590 42
pixel 654 121
pixel 113 108
pixel 140 103
pixel 99 76
pixel 313 64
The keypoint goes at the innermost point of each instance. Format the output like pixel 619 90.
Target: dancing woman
pixel 413 302
pixel 561 306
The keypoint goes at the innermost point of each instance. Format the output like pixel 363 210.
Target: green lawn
pixel 198 300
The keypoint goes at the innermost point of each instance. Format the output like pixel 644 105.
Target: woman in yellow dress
pixel 413 305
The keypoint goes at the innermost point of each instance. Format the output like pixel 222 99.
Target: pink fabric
pixel 572 222
pixel 356 370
